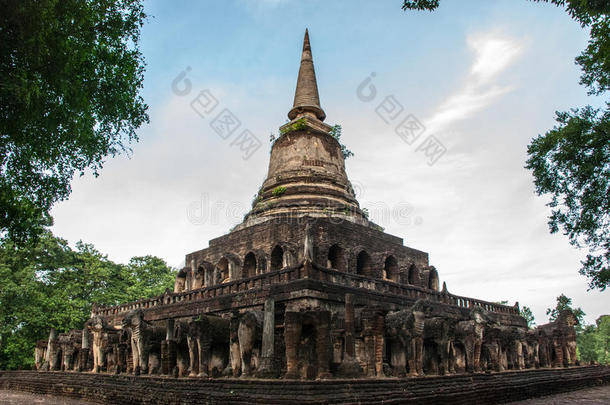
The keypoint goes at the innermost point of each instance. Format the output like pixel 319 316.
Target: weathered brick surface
pixel 457 389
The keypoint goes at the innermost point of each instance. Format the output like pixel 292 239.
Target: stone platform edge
pixel 482 388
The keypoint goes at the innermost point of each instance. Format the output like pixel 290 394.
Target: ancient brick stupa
pixel 307 287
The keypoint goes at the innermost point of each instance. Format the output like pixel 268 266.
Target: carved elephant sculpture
pixel 102 339
pixel 470 333
pixel 206 336
pixel 557 341
pixel 144 337
pixel 491 349
pixel 503 347
pixel 405 330
pixel 515 353
pixel 565 336
pixel 234 353
pixel 531 349
pixel 249 334
pixel 70 344
pixel 441 332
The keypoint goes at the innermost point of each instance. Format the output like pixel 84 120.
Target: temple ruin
pixel 307 287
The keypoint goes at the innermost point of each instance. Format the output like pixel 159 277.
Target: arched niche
pixel 336 258
pixel 277 258
pixel 391 270
pixel 222 268
pixel 204 275
pixel 249 267
pixel 364 264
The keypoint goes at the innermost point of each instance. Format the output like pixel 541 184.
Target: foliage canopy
pixel 46 284
pixel 69 97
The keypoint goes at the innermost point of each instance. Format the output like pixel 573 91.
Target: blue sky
pixel 483 77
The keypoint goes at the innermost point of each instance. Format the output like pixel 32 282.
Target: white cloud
pixel 462 105
pixel 493 54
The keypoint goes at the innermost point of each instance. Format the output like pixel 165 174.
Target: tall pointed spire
pixel 306 163
pixel 306 98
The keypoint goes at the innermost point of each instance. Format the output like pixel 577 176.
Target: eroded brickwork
pixel 480 389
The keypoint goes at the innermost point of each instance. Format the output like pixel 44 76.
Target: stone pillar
pixel 349 366
pixel 205 344
pixel 85 339
pixel 169 329
pixel 373 342
pixel 50 362
pixel 190 279
pixel 398 359
pixel 209 277
pixel 268 344
pixel 168 349
pixel 378 331
pixel 234 352
pixel 123 355
pixel 193 355
pixel 233 271
pixel 84 352
pixel 350 347
pixel 323 344
pixel 369 345
pixel 288 259
pixel 168 356
pixel 292 336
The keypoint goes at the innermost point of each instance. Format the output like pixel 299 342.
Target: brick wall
pixel 457 389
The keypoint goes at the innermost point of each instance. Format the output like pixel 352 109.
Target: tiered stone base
pixel 457 389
